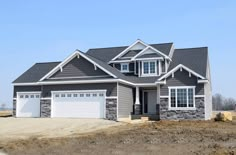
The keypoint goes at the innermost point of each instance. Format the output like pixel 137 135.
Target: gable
pixel 78 67
pixel 131 53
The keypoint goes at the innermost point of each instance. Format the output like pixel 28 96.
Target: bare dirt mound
pixel 164 137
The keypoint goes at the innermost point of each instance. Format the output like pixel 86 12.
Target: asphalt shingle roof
pixel 36 72
pixel 106 54
pixel 193 58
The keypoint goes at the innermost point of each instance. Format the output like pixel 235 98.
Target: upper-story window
pixel 149 68
pixel 124 67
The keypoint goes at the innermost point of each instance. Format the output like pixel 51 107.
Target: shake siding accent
pixel 182 79
pixel 126 101
pixel 110 87
pixel 25 89
pixel 79 67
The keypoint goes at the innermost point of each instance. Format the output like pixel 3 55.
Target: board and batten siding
pixel 79 67
pixel 182 79
pixel 110 87
pixel 125 99
pixel 25 89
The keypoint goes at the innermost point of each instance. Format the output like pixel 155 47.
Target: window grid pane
pixel 152 67
pixel 181 97
pixel 145 68
pixel 190 97
pixel 172 98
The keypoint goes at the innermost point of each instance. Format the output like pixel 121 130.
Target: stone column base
pixel 45 106
pixel 137 109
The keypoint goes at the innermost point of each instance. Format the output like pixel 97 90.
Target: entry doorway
pixel 149 102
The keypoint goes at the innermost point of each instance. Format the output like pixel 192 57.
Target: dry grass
pixel 6 113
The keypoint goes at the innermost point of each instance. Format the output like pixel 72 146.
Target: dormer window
pixel 124 67
pixel 149 68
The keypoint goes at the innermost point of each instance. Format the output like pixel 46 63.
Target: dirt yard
pixel 174 138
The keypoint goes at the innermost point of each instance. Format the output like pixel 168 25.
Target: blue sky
pixel 42 31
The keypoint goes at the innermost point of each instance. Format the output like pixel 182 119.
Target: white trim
pixel 46 98
pixel 181 108
pixel 29 92
pixel 161 82
pixel 127 49
pixel 152 48
pixel 153 58
pixel 14 98
pixel 159 67
pixel 137 95
pixel 111 97
pixel 117 106
pixel 78 81
pixel 176 69
pixel 25 84
pixel 79 77
pixel 78 91
pixel 164 96
pixel 149 74
pixel 119 61
pixel 197 96
pixel 202 81
pixel 67 60
pixel 121 67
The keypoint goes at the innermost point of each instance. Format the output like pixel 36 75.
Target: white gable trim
pixel 127 49
pixel 67 60
pixel 152 48
pixel 177 68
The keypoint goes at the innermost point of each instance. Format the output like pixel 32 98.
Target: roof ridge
pixel 48 62
pixel 162 43
pixel 107 47
pixel 191 48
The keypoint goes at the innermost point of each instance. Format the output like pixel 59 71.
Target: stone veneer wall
pixel 198 114
pixel 111 109
pixel 14 108
pixel 137 109
pixel 45 106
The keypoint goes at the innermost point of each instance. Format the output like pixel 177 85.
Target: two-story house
pixel 142 79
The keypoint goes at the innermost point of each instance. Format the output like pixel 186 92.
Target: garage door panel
pixel 78 105
pixel 28 105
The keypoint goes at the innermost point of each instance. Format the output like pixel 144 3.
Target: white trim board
pixel 177 68
pixel 67 60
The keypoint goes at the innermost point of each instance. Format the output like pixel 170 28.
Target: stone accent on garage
pixel 111 109
pixel 45 106
pixel 14 108
pixel 198 114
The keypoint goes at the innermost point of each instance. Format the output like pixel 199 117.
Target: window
pixel 94 95
pixel 68 95
pixel 21 96
pixel 124 67
pixel 57 95
pixel 87 95
pixel 37 96
pixel 75 95
pixel 63 95
pixel 181 97
pixel 101 94
pixel 149 68
pixel 31 96
pixel 81 95
pixel 26 96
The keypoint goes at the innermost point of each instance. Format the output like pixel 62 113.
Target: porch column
pixel 137 105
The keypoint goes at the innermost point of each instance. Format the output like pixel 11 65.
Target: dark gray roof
pixel 106 54
pixel 164 48
pixel 36 72
pixel 193 58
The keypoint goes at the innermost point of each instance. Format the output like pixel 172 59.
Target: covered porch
pixel 146 103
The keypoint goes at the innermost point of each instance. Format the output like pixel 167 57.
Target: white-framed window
pixel 124 67
pixel 182 98
pixel 149 68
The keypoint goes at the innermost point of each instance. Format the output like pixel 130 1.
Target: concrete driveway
pixel 17 128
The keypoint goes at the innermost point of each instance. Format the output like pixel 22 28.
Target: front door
pixel 149 102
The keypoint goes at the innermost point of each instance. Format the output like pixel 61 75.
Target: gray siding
pixel 163 66
pixel 25 89
pixel 110 87
pixel 125 99
pixel 182 79
pixel 131 53
pixel 79 67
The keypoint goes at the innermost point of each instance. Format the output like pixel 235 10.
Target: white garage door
pixel 78 104
pixel 28 104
